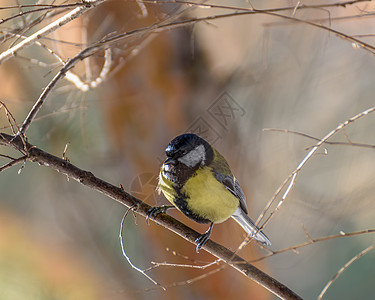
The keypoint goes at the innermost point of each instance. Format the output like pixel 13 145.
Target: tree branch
pixel 75 13
pixel 88 179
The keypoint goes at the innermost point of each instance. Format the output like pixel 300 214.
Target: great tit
pixel 197 180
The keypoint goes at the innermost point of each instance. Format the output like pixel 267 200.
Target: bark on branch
pixel 87 178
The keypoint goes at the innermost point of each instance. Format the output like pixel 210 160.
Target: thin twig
pixel 175 253
pixel 127 257
pixel 279 9
pixel 158 27
pixel 13 162
pixel 46 91
pixel 290 180
pixel 355 258
pixel 92 84
pixel 197 278
pixel 165 264
pixel 314 241
pixel 12 123
pixel 143 8
pixel 75 13
pixel 317 139
pixel 194 279
pixel 42 7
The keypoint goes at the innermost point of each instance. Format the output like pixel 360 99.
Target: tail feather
pixel 248 225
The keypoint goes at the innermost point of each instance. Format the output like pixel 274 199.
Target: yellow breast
pixel 208 198
pixel 166 186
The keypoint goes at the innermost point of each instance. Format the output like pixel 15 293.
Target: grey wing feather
pixel 232 185
pixel 240 195
pixel 248 225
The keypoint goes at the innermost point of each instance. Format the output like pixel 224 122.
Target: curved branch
pixel 154 28
pixel 88 179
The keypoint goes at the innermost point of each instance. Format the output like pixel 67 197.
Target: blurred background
pixel 226 79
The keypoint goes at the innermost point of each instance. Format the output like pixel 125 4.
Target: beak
pixel 169 161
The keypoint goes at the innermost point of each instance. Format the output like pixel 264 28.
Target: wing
pixel 223 174
pixel 232 185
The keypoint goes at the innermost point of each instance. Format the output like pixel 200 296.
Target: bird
pixel 197 180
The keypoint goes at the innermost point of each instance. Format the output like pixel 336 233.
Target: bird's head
pixel 189 150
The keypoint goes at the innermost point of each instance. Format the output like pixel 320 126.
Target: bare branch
pixel 317 139
pixel 197 278
pixel 75 13
pixel 13 162
pixel 88 179
pixel 314 241
pixel 355 258
pixel 143 272
pixel 158 27
pixel 290 180
pixel 165 264
pixel 40 7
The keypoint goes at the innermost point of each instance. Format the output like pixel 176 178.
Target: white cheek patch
pixel 194 157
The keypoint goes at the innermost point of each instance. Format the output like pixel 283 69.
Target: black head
pixel 190 150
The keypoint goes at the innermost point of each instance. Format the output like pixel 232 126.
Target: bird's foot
pixel 154 211
pixel 202 240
